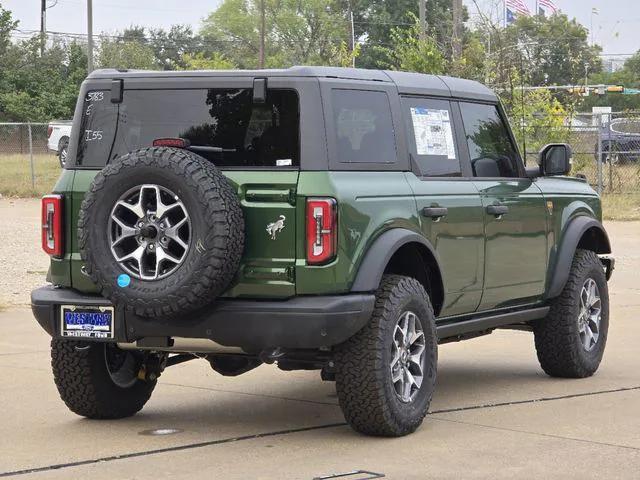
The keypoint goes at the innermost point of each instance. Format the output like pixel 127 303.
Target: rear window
pixel 222 125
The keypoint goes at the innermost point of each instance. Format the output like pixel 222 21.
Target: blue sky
pixel 615 28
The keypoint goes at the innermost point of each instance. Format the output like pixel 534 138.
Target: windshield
pixel 243 133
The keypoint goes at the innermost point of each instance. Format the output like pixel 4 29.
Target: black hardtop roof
pixel 406 82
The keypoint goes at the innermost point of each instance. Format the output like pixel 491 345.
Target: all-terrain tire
pixel 217 231
pixel 63 151
pixel 363 377
pixel 560 350
pixel 86 386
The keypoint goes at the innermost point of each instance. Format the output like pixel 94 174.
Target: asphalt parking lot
pixel 495 414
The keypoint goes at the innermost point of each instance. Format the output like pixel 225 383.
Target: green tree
pixel 296 31
pixel 39 87
pixel 409 52
pixel 376 20
pixel 552 50
pixel 125 53
pixel 538 117
pixel 171 46
pixel 200 61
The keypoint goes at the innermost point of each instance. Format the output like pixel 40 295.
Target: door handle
pixel 497 210
pixel 435 212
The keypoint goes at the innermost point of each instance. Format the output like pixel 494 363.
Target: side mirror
pixel 555 159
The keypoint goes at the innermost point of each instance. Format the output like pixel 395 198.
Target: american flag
pixel 518 7
pixel 548 6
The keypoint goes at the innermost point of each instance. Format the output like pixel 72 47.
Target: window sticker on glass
pixel 433 133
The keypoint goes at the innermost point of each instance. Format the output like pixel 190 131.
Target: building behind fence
pixel 606 149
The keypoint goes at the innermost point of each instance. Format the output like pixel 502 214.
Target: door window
pixel 363 127
pixel 431 137
pixel 490 148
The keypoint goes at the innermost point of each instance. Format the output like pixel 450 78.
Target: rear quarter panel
pixel 369 203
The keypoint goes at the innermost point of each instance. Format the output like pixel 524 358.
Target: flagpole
pixel 537 9
pixel 504 13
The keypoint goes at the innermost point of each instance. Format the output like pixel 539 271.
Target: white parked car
pixel 58 134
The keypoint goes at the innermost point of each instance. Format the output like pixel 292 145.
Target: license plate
pixel 87 322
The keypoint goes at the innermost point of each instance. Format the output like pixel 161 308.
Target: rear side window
pixel 96 128
pixel 363 127
pixel 490 148
pixel 431 137
pixel 222 125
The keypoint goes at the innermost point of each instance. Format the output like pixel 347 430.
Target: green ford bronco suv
pixel 343 220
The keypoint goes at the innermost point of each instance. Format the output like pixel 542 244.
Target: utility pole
pixel 262 34
pixel 456 43
pixel 43 25
pixel 353 37
pixel 423 19
pixel 90 36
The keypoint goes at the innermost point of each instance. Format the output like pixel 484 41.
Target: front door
pixel 449 205
pixel 515 214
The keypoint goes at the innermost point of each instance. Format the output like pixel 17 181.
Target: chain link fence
pixel 606 148
pixel 606 151
pixel 27 166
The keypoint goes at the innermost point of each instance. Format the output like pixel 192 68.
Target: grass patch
pixel 15 175
pixel 621 206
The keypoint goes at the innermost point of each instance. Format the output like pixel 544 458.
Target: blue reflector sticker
pixel 124 280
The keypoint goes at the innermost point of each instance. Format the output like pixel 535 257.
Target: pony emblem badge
pixel 274 227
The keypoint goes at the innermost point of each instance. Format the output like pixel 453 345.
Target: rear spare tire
pixel 161 232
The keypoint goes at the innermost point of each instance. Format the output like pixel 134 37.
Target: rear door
pixel 450 209
pixel 515 213
pixel 256 144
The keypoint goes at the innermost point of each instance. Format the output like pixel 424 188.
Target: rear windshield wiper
pixel 209 149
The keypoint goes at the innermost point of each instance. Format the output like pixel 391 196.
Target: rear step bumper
pixel 299 322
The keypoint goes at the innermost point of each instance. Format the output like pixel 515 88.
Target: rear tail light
pixel 49 131
pixel 322 230
pixel 52 228
pixel 172 142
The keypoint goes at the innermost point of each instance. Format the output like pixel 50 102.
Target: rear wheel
pixel 570 342
pixel 63 151
pixel 99 380
pixel 386 373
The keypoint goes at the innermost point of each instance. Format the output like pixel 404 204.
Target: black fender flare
pixel 574 231
pixel 377 258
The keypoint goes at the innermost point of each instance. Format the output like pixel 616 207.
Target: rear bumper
pixel 300 322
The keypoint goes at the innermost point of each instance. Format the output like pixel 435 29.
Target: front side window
pixel 492 153
pixel 222 125
pixel 431 137
pixel 363 127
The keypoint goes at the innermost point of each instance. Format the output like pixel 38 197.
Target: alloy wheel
pixel 407 356
pixel 149 232
pixel 590 314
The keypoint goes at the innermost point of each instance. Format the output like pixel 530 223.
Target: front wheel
pixel 386 373
pixel 570 341
pixel 99 380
